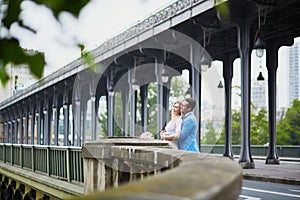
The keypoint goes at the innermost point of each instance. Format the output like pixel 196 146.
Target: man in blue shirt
pixel 187 140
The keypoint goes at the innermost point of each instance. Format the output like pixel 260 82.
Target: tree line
pixel 287 128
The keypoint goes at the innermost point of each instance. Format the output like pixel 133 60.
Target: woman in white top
pixel 173 127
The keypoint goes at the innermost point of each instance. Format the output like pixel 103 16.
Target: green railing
pixel 256 150
pixel 57 161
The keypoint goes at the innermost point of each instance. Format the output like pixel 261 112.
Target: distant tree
pixel 258 127
pixel 13 53
pixel 178 88
pixel 236 128
pixel 288 129
pixel 117 118
pixel 211 135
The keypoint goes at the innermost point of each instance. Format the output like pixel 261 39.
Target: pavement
pixel 287 172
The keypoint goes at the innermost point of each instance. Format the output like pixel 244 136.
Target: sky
pixel 98 22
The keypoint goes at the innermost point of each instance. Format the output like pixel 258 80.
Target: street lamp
pixel 220 85
pixel 134 81
pixel 111 83
pixel 260 78
pixel 164 75
pixel 259 45
pixel 205 62
pixel 16 84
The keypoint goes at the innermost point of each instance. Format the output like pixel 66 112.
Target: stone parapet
pixel 152 170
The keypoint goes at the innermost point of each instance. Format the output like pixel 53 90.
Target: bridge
pixel 186 35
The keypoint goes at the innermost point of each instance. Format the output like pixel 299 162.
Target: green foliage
pixel 11 52
pixel 117 118
pixel 178 88
pixel 211 136
pixel 288 129
pixel 223 10
pixel 258 127
pixel 152 109
pixel 69 6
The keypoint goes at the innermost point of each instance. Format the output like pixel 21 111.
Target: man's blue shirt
pixel 187 140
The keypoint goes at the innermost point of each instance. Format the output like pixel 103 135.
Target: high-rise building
pixel 259 94
pixel 20 78
pixel 293 73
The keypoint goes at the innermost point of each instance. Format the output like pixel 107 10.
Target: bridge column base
pixel 273 161
pixel 247 165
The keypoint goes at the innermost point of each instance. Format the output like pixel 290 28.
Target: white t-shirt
pixel 174 125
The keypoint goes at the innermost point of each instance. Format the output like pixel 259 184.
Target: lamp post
pixel 16 84
pixel 259 45
pixel 134 82
pixel 111 83
pixel 164 75
pixel 260 78
pixel 205 62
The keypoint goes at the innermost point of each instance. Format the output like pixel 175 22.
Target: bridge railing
pixel 256 150
pixel 65 162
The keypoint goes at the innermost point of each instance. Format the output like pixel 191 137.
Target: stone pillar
pixel 144 102
pixel 125 111
pixel 115 173
pixel 66 107
pixel 11 130
pixel 132 112
pixel 32 124
pixel 56 113
pixel 2 128
pixel 81 140
pixel 244 34
pixel 6 132
pixel 77 121
pixel 26 128
pixel 227 75
pixel 94 175
pixel 272 65
pixel 94 118
pixel 166 92
pixel 196 86
pixel 21 135
pixel 47 119
pixel 16 128
pixel 160 100
pixel 110 110
pixel 39 121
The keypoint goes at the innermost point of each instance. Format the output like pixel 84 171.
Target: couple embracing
pixel 182 128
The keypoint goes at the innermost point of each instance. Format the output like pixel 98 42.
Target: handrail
pixel 63 162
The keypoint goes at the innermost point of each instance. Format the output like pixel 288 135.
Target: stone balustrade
pixel 151 169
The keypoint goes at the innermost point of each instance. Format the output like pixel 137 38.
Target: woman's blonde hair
pixel 180 103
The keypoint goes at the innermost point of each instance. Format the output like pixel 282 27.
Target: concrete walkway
pixel 287 172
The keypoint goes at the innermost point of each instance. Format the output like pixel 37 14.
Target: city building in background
pixel 20 78
pixel 293 73
pixel 259 94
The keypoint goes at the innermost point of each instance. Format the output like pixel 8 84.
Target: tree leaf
pixel 12 12
pixel 64 5
pixel 3 75
pixel 36 64
pixel 16 55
